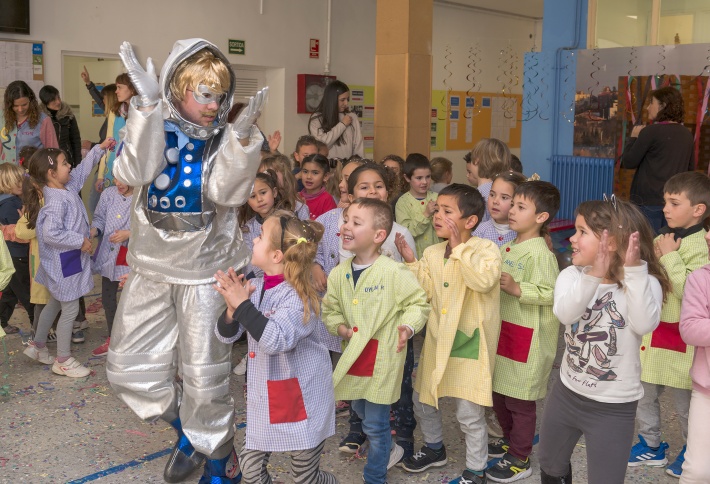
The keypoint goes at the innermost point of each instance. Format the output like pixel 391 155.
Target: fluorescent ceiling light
pixel 634 17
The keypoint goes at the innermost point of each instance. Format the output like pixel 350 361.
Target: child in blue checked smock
pixel 376 305
pixel 112 222
pixel 500 201
pixel 63 235
pixel 290 406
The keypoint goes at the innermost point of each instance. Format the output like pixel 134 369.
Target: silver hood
pixel 182 49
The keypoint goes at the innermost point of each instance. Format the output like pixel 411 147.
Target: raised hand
pixel 600 267
pixel 144 80
pixel 404 249
pixel 249 115
pixel 665 244
pixel 235 289
pixel 633 251
pixel 274 141
pixel 85 76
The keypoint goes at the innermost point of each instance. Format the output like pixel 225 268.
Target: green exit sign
pixel 237 46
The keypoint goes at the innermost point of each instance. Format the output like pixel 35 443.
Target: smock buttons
pixel 446 284
pixel 252 354
pixel 355 329
pixel 643 348
pixel 347 276
pixel 500 238
pixel 118 216
pixel 443 311
pixel 355 301
pixel 507 249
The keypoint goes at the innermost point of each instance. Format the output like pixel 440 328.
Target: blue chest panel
pixel 178 189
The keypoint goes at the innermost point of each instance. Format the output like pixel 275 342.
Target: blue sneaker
pixel 643 455
pixel 676 468
pixel 222 471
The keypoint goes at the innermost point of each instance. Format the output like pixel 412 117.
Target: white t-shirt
pixel 604 325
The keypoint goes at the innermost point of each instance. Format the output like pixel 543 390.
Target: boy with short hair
pixel 375 304
pixel 665 358
pixel 462 280
pixel 529 330
pixel 415 208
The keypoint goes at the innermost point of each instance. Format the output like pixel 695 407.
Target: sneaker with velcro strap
pixel 424 459
pixel 643 455
pixel 509 469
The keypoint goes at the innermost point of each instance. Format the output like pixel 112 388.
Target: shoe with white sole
pixel 70 368
pixel 241 368
pixel 38 354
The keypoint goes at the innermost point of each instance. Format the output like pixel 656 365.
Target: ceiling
pixel 525 8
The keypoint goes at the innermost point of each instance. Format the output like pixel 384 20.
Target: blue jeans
pixel 376 425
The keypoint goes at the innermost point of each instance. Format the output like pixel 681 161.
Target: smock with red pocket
pixel 290 405
pixel 529 330
pixel 386 295
pixel 665 358
pixel 112 213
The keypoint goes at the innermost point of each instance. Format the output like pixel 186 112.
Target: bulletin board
pixel 362 102
pixel 481 115
pixel 22 61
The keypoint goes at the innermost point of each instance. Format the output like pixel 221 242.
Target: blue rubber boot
pixel 222 471
pixel 184 459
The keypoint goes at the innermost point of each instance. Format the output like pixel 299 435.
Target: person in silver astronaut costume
pixel 191 171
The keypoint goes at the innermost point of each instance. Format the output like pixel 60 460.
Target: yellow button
pixel 443 311
pixel 118 216
pixel 354 301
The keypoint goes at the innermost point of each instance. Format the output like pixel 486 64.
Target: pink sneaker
pixel 103 349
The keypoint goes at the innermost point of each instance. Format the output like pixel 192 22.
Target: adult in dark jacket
pixel 64 122
pixel 657 152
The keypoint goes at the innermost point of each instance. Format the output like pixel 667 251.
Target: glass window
pixel 624 23
pixel 684 22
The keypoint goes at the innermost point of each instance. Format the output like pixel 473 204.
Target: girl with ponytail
pixel 287 363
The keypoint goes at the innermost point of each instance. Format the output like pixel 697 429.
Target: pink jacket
pixel 695 326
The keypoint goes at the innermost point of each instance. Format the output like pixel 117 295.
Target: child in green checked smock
pixel 376 304
pixel 528 334
pixel 665 358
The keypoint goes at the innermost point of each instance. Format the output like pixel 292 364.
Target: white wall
pixel 277 40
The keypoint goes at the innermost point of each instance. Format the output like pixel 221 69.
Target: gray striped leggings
pixel 305 467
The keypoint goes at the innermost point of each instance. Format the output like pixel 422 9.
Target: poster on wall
pixel 613 89
pixel 362 103
pixel 481 115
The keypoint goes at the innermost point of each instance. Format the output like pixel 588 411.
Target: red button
pixel 643 348
pixel 507 249
pixel 252 354
pixel 500 238
pixel 422 203
pixel 337 234
pixel 355 329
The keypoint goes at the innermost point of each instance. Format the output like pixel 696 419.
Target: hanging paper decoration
pixel 474 58
pixel 447 88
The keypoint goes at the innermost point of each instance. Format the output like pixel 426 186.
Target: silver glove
pixel 249 115
pixel 144 80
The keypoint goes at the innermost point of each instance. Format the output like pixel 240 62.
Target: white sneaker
pixel 38 354
pixel 396 454
pixel 494 428
pixel 71 368
pixel 81 324
pixel 241 368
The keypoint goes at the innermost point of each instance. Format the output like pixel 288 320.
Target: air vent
pixel 245 87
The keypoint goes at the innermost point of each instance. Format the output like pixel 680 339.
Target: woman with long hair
pixel 64 122
pixel 335 125
pixel 24 123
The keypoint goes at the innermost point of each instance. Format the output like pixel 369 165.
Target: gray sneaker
pixel 77 336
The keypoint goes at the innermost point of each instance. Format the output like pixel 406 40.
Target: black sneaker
pixel 468 477
pixel 424 459
pixel 352 442
pixel 510 469
pixel 498 447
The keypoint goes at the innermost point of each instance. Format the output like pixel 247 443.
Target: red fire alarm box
pixel 310 91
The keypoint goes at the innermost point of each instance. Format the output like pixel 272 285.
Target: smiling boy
pixel 376 305
pixel 665 358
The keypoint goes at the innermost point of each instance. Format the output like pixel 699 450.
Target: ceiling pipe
pixel 491 11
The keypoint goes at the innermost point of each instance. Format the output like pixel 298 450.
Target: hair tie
pixel 534 177
pixel 301 240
